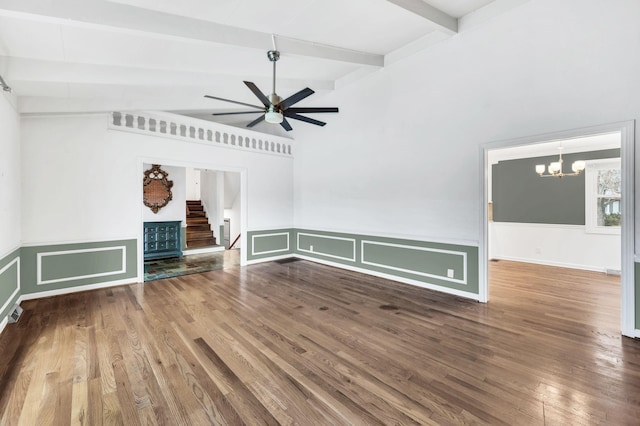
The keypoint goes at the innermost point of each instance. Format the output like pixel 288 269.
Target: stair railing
pixel 234 241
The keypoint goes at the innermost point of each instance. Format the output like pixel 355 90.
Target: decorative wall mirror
pixel 156 188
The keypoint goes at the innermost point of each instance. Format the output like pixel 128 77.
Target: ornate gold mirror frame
pixel 156 188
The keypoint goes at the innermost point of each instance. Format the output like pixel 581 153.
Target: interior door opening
pixel 562 225
pixel 201 200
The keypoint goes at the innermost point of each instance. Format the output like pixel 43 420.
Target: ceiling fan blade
pixel 313 110
pixel 303 118
pixel 256 121
pixel 234 102
pixel 239 112
pixel 285 125
pixel 295 98
pixel 258 93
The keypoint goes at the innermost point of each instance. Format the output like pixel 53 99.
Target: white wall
pixel 232 205
pixel 176 209
pixel 402 157
pixel 10 203
pixel 83 181
pixel 209 196
pixel 557 245
pixel 193 184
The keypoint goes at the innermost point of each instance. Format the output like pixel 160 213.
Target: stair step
pixel 194 208
pixel 196 214
pixel 199 234
pixel 198 227
pixel 201 242
pixel 196 202
pixel 197 221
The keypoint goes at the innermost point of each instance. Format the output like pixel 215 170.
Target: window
pixel 603 186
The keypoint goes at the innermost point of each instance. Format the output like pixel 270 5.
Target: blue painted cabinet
pixel 162 239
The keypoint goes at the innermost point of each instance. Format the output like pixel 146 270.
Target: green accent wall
pixel 9 282
pixel 520 195
pixel 271 243
pixel 422 261
pixel 55 267
pixel 637 294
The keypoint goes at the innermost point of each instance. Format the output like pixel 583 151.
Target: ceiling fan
pixel 274 109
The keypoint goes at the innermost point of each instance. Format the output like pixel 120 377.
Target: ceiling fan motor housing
pixel 275 100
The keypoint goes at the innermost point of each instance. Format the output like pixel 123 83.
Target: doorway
pixel 227 233
pixel 194 259
pixel 624 132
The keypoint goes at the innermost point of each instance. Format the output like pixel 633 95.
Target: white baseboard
pixel 270 259
pixel 551 263
pixel 68 290
pixel 5 321
pixel 188 251
pixel 465 294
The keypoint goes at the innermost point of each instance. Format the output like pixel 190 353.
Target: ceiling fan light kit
pixel 274 109
pixel 273 117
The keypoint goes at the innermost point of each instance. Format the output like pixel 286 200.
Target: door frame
pixel 196 165
pixel 627 234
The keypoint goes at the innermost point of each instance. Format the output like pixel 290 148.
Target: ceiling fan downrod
pixel 273 56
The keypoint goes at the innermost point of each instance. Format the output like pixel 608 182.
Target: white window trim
pixel 590 182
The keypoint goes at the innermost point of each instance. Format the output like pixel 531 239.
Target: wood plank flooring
pixel 302 343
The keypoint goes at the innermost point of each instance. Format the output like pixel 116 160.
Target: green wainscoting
pixel 423 261
pixel 10 283
pixel 331 246
pixel 267 244
pixel 60 266
pixel 637 294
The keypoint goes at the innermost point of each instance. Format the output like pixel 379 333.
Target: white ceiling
pixel 104 55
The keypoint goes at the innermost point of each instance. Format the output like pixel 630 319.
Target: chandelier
pixel 555 168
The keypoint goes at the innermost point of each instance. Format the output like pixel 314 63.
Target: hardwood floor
pixel 308 344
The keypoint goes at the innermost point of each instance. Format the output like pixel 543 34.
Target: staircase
pixel 199 232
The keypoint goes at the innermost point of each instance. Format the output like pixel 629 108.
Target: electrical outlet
pixel 311 248
pixel 538 250
pixel 449 273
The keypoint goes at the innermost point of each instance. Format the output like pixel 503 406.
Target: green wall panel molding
pixel 10 282
pixel 55 267
pixel 332 246
pixel 520 195
pixel 269 243
pixel 422 261
pixel 84 263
